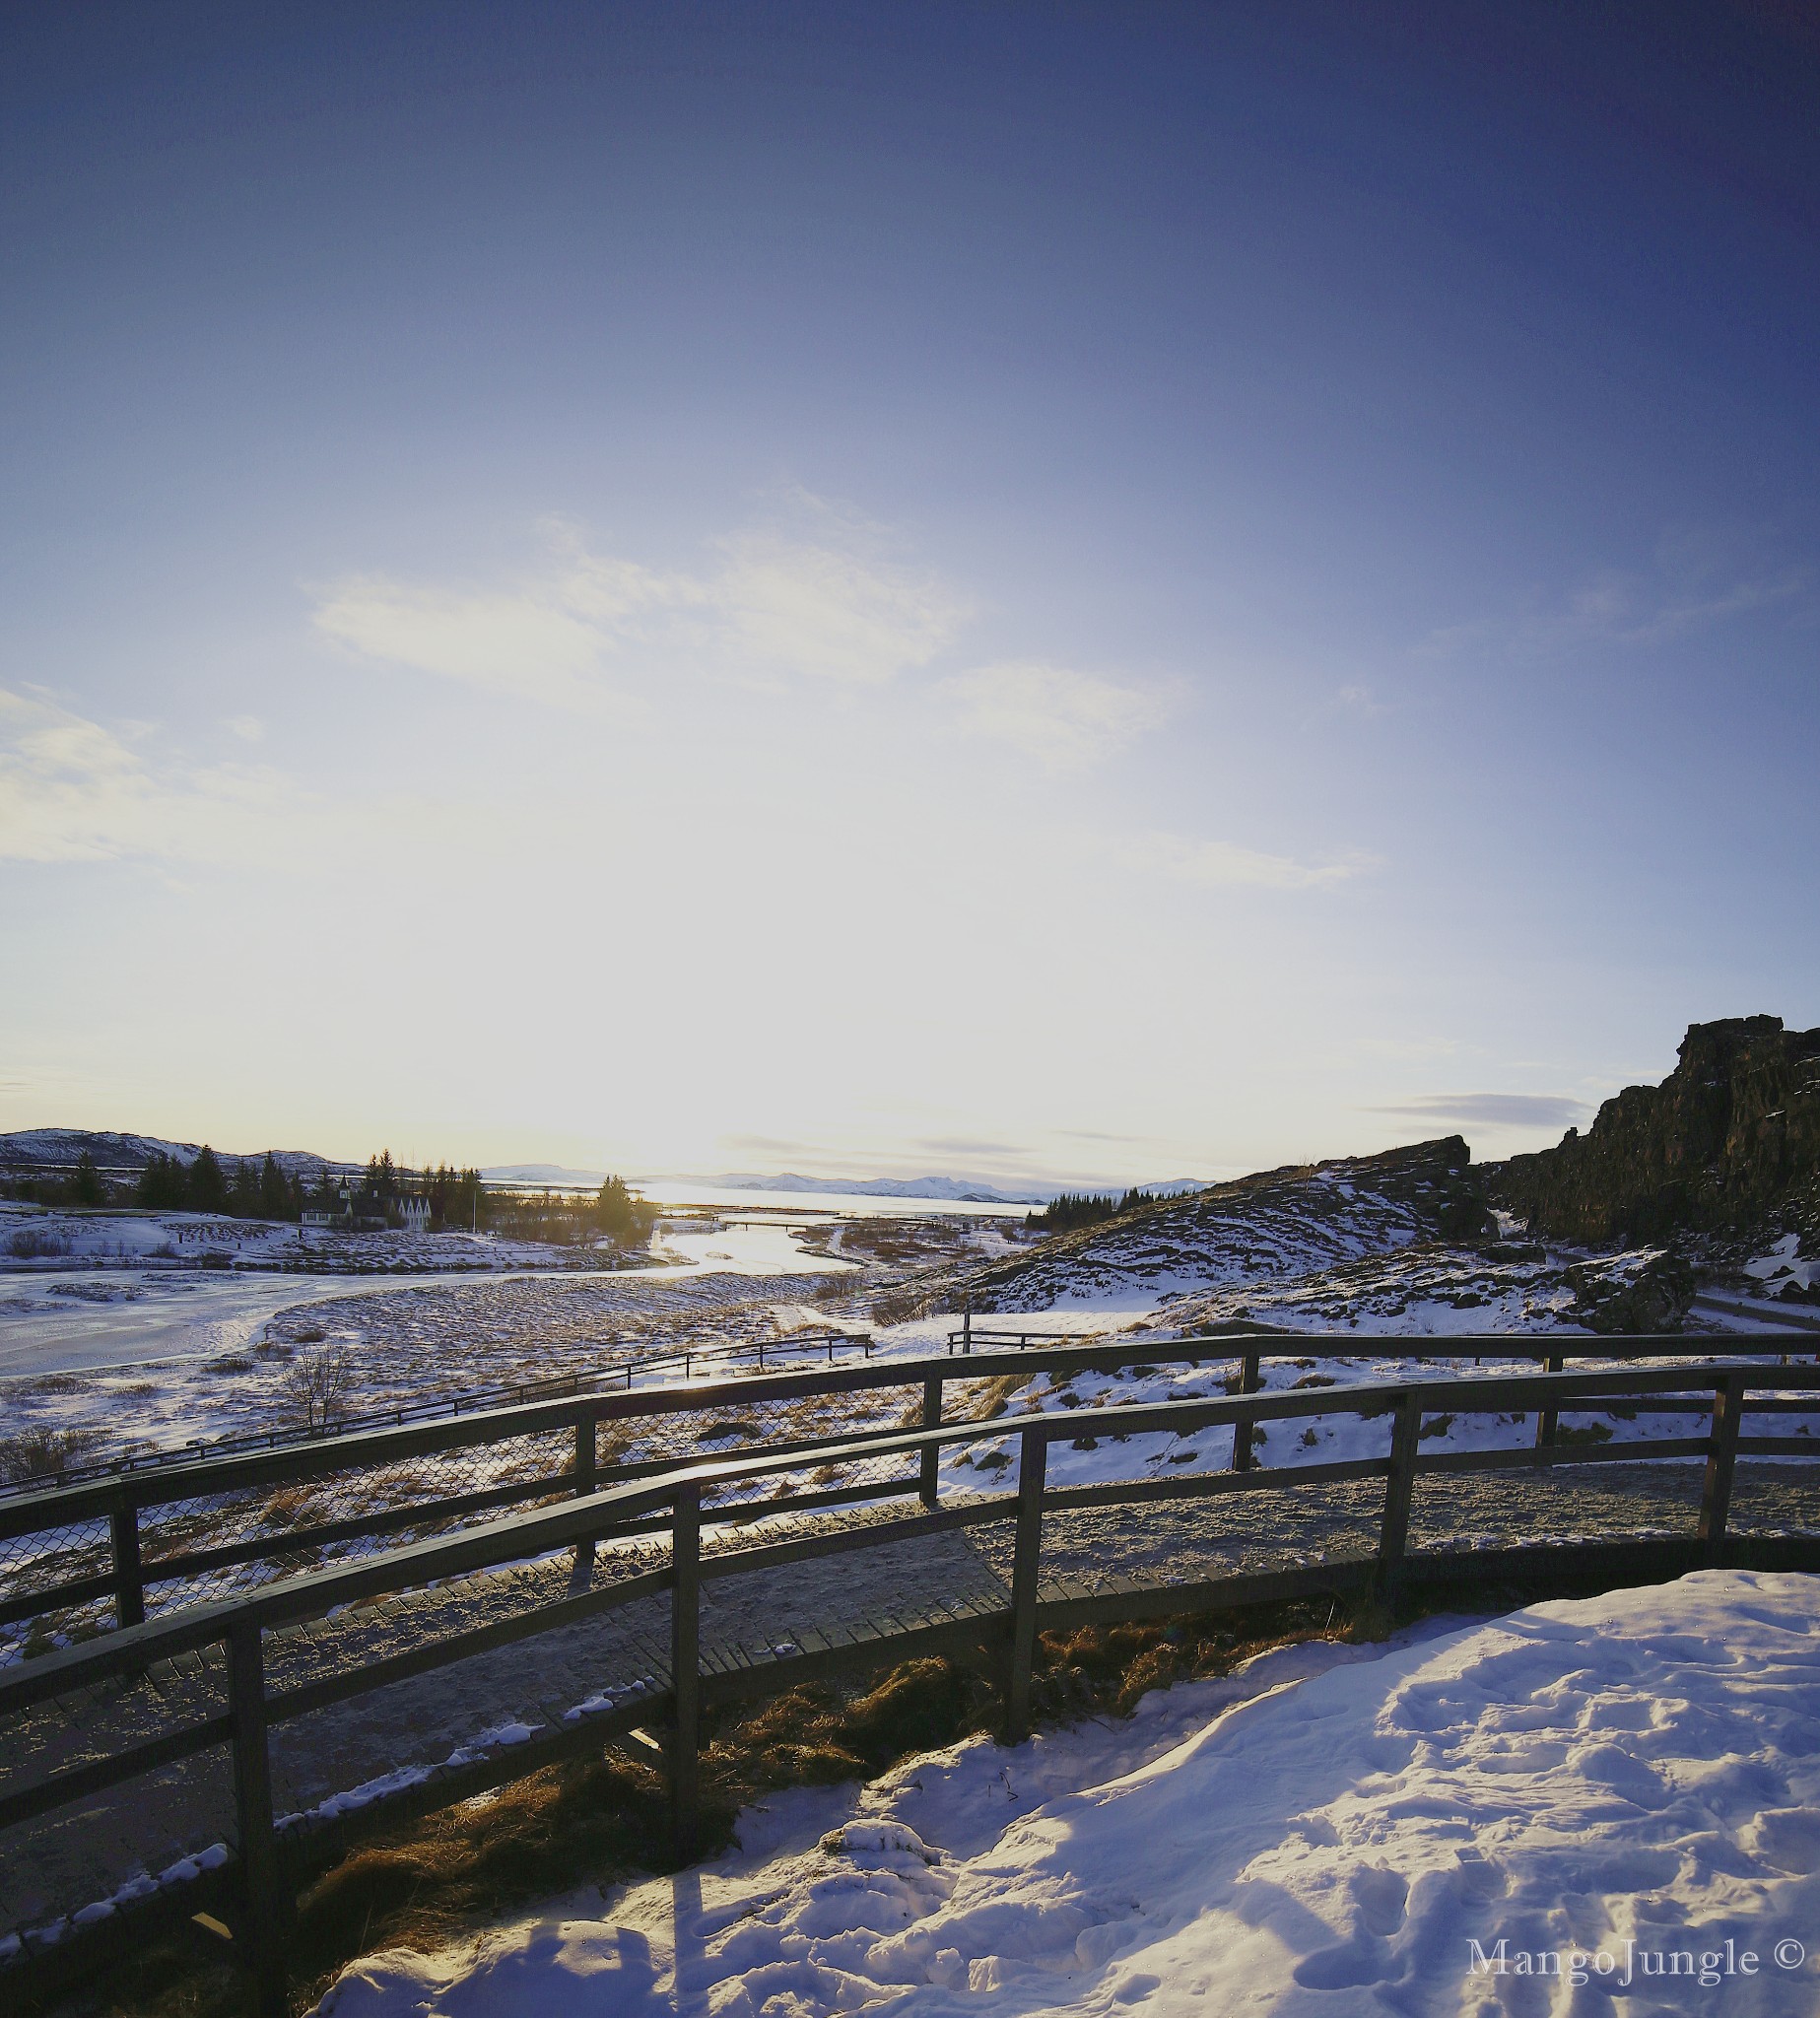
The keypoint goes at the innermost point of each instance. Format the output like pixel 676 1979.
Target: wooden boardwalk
pixel 291 1721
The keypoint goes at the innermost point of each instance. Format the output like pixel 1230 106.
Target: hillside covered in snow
pixel 26 1151
pixel 1271 1227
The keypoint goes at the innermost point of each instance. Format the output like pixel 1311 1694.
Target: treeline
pixel 1082 1208
pixel 85 1185
pixel 241 1186
pixel 456 1198
pixel 251 1188
pixel 572 1218
pixel 386 1194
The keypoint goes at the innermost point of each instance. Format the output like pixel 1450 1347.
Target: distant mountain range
pixel 46 1150
pixel 956 1190
pixel 61 1149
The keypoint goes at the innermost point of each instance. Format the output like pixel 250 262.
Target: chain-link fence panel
pixel 278 1530
pixel 77 1856
pixel 53 1558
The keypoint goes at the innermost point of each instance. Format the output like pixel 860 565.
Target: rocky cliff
pixel 1728 1144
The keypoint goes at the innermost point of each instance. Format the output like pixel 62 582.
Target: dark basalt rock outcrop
pixel 1728 1144
pixel 1640 1303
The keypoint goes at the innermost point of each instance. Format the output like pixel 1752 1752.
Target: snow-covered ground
pixel 1578 1803
pixel 161 1354
pixel 55 1320
pixel 1783 1267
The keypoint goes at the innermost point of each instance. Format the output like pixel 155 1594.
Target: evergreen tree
pixel 1076 1208
pixel 243 1190
pixel 86 1184
pixel 274 1195
pixel 163 1184
pixel 625 1218
pixel 207 1187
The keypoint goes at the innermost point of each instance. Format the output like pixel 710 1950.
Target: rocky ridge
pixel 1724 1154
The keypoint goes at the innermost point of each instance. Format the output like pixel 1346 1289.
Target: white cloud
pixel 574 636
pixel 818 610
pixel 1551 1110
pixel 73 791
pixel 1222 864
pixel 1064 720
pixel 527 644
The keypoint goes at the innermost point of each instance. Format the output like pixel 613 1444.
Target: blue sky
pixel 1093 593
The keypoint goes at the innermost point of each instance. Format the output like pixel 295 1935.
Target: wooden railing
pixel 255 1890
pixel 97 1527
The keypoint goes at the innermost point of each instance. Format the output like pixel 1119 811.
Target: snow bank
pixel 1603 1787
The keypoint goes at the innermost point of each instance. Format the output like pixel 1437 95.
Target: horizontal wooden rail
pixel 1628 1450
pixel 131 1569
pixel 1213 1484
pixel 131 1649
pixel 59 1506
pixel 77 1782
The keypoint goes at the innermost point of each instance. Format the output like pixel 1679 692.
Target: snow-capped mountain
pixel 61 1149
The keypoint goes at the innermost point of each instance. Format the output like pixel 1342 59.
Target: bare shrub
pixel 33 1243
pixel 42 1454
pixel 316 1391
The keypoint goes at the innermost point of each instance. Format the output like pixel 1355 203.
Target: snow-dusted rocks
pixel 1274 1225
pixel 1463 1823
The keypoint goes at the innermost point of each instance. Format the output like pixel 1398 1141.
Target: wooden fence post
pixel 686 1670
pixel 267 1910
pixel 1250 1379
pixel 1548 1417
pixel 129 1597
pixel 585 1427
pixel 929 1488
pixel 1721 1465
pixel 1399 1488
pixel 1026 1560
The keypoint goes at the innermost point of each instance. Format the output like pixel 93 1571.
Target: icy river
pixel 85 1321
